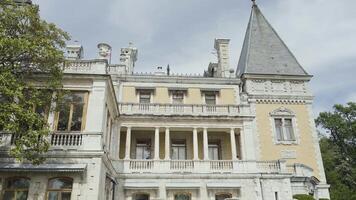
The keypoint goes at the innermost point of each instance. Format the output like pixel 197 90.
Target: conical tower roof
pixel 264 52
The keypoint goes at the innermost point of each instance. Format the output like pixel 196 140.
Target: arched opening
pixel 59 188
pixel 182 196
pixel 141 197
pixel 222 196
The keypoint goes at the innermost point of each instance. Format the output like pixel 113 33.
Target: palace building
pixel 242 134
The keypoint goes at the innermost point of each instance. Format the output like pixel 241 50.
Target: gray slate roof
pixel 264 52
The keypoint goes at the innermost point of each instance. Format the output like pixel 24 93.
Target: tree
pixel 30 75
pixel 338 149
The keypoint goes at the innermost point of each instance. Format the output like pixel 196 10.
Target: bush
pixel 323 199
pixel 303 197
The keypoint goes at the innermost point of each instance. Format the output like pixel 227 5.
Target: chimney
pixel 128 57
pixel 104 51
pixel 160 71
pixel 222 49
pixel 74 52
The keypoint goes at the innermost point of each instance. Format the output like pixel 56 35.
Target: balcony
pixel 61 141
pixel 199 166
pixel 181 109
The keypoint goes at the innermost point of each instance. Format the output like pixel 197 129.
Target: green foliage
pixel 339 150
pixel 303 197
pixel 323 199
pixel 30 57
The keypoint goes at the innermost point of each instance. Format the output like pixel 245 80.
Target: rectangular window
pixel 177 97
pixel 214 150
pixel 284 129
pixel 143 149
pixel 210 98
pixel 145 96
pixel 179 150
pixel 71 112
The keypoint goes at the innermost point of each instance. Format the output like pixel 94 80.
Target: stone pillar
pixel 205 144
pixel 156 144
pixel 167 145
pixel 118 142
pixel 195 144
pixel 128 143
pixel 233 144
pixel 242 143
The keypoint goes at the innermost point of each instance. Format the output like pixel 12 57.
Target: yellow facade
pixel 193 96
pixel 271 151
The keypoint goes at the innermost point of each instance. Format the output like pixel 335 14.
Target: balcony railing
pixel 178 109
pixel 199 166
pixel 61 140
pixel 98 66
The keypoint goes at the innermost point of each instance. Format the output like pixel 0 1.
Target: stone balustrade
pixel 198 166
pixel 61 140
pixel 98 66
pixel 178 109
pixel 300 170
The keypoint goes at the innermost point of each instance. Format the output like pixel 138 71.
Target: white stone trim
pixel 317 151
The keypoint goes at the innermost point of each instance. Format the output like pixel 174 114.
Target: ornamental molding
pixel 282 111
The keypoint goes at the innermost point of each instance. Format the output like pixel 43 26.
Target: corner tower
pixel 277 89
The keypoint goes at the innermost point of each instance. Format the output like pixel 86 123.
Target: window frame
pixel 146 144
pixel 60 191
pixel 211 93
pixel 172 93
pixel 284 114
pixel 84 114
pixel 179 143
pixel 215 143
pixel 141 92
pixel 15 190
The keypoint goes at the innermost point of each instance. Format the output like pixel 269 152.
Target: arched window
pixel 141 197
pixel 59 188
pixel 182 196
pixel 223 196
pixel 16 189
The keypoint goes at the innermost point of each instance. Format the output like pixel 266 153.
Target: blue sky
pixel 321 34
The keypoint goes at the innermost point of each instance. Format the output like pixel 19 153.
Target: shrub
pixel 303 197
pixel 324 199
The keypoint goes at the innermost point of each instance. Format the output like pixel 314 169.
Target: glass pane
pixel 52 195
pixel 9 195
pixel 65 196
pixel 181 153
pixel 60 183
pixel 21 195
pixel 18 183
pixel 147 152
pixel 139 152
pixel 289 129
pixel 63 118
pixel 175 151
pixel 210 99
pixel 278 127
pixel 76 124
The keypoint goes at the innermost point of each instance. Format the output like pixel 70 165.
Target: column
pixel 118 141
pixel 167 144
pixel 156 144
pixel 195 144
pixel 205 144
pixel 233 144
pixel 128 143
pixel 242 143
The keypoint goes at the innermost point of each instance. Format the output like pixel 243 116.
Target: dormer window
pixel 284 126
